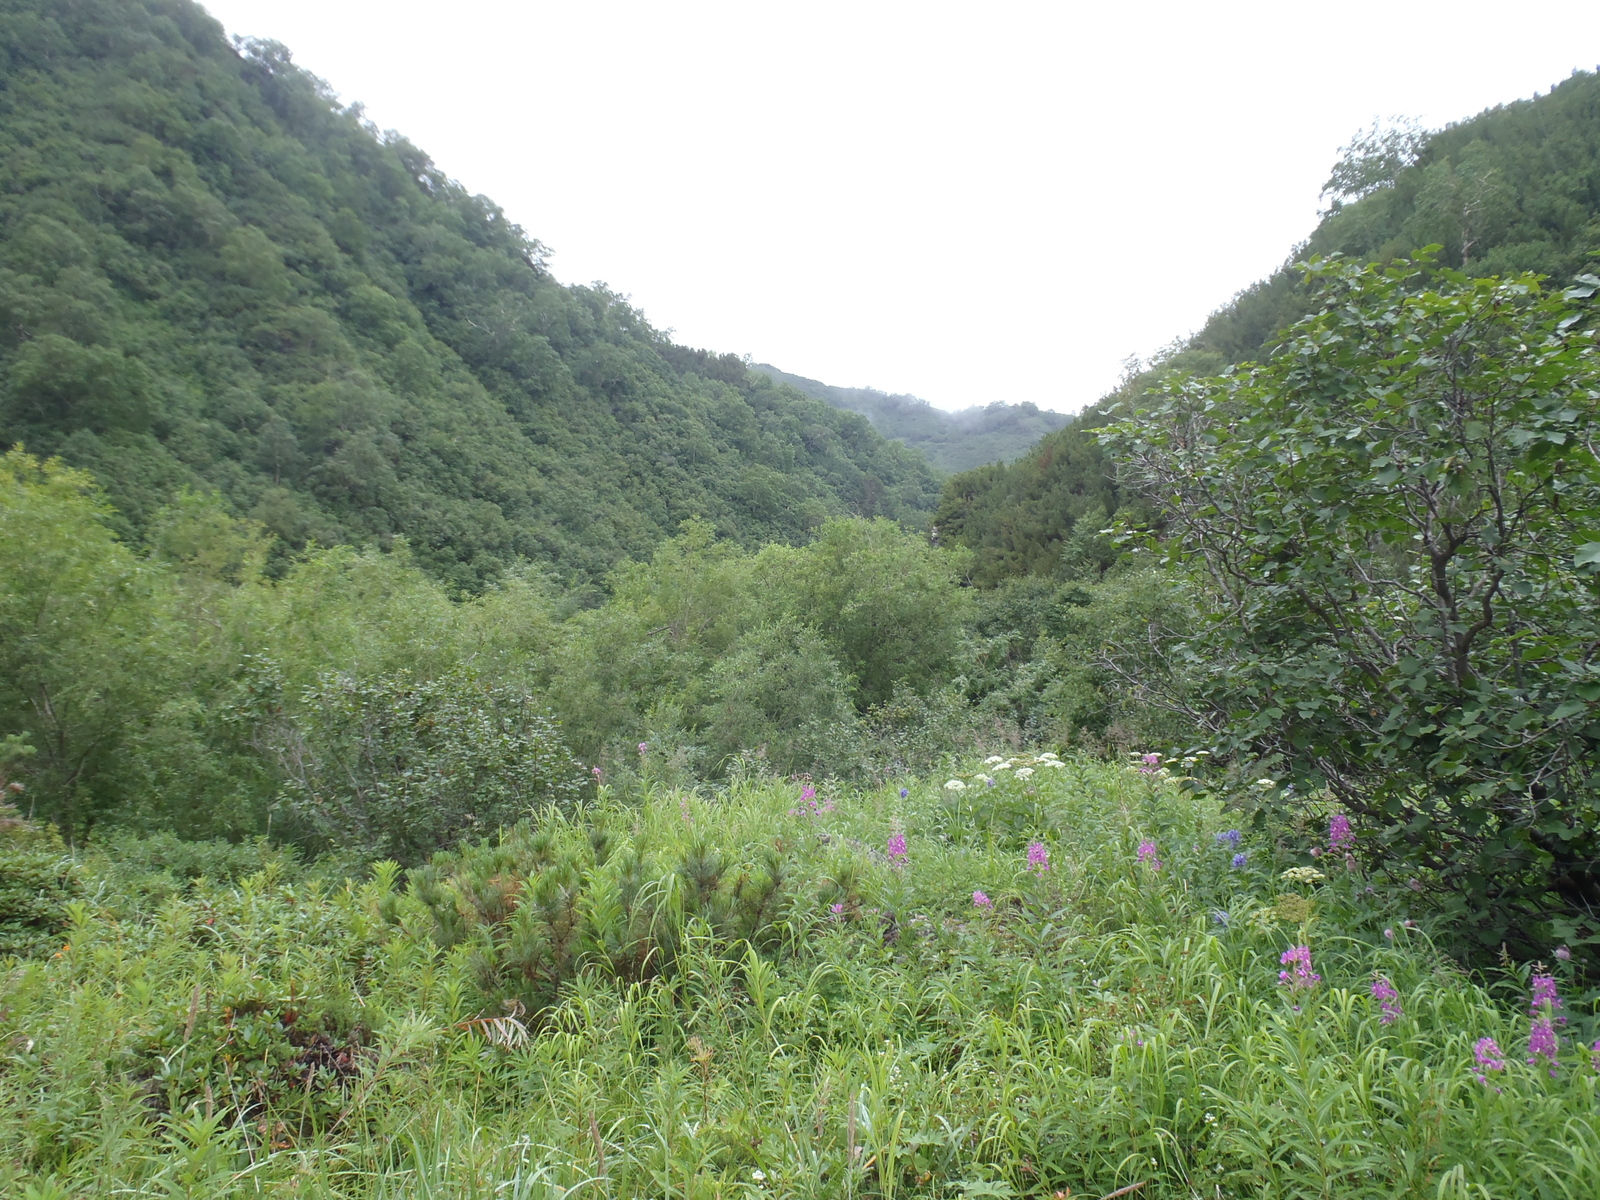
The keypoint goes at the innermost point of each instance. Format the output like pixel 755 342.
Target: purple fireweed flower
pixel 1543 1001
pixel 1147 853
pixel 1542 1045
pixel 1231 837
pixel 644 748
pixel 1038 857
pixel 897 846
pixel 1594 1056
pixel 1339 835
pixel 808 793
pixel 981 900
pixel 1388 999
pixel 1487 1054
pixel 836 909
pixel 1302 978
pixel 596 772
pixel 1151 763
pixel 1240 859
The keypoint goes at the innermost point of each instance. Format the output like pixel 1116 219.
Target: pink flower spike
pixel 1544 1000
pixel 1302 978
pixel 1388 999
pixel 1038 857
pixel 981 900
pixel 1147 853
pixel 1487 1054
pixel 897 847
pixel 1542 1045
pixel 1339 835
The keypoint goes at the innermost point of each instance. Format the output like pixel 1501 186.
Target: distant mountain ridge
pixel 952 442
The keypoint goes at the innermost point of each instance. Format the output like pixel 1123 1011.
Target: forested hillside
pixel 214 277
pixel 1516 188
pixel 456 743
pixel 953 441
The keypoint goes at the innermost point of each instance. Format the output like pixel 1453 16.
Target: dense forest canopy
pixel 214 277
pixel 953 441
pixel 1516 188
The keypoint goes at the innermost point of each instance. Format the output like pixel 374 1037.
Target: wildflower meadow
pixel 1063 983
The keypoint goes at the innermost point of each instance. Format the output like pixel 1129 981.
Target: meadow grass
pixel 753 993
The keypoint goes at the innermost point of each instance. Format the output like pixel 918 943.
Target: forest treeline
pixel 353 702
pixel 215 277
pixel 952 441
pixel 1513 189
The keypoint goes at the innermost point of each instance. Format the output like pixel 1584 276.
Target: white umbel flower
pixel 955 785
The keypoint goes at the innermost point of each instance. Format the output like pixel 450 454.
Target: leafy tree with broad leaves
pixel 1397 518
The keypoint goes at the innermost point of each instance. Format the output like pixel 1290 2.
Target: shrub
pixel 396 767
pixel 37 881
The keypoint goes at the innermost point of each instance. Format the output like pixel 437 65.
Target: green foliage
pixel 1395 518
pixel 1087 664
pixel 726 652
pixel 353 703
pixel 952 441
pixel 84 640
pixel 1097 1027
pixel 883 600
pixel 614 891
pixel 779 691
pixel 214 278
pixel 37 881
pixel 185 691
pixel 1025 518
pixel 394 766
pixel 1515 188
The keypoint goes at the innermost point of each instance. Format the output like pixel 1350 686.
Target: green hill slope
pixel 955 441
pixel 212 276
pixel 1516 188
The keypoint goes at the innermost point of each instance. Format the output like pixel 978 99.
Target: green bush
pixel 395 766
pixel 37 881
pixel 778 691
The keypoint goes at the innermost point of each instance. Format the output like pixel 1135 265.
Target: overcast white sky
pixel 982 202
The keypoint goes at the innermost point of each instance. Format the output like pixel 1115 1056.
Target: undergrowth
pixel 1070 980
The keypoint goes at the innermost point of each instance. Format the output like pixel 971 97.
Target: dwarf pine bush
pixel 747 994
